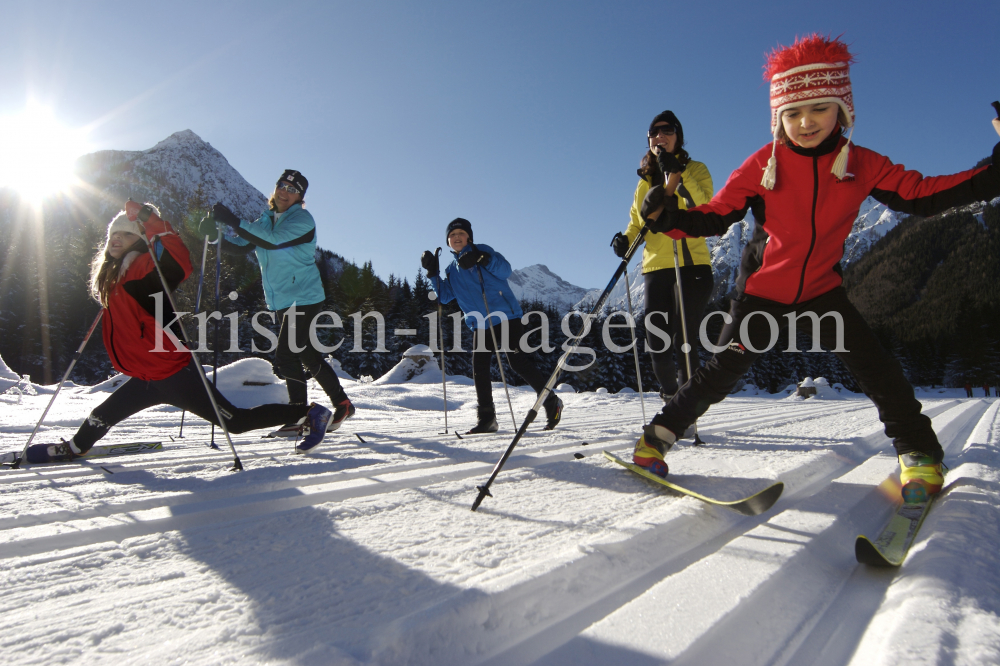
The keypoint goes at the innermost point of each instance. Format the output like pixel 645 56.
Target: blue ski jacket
pixel 463 284
pixel 286 251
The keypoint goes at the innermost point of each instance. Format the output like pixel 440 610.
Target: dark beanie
pixel 459 223
pixel 295 178
pixel 669 117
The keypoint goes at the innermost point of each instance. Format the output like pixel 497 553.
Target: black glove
pixel 224 215
pixel 207 227
pixel 655 199
pixel 668 162
pixel 430 263
pixel 474 258
pixel 620 244
pixel 144 213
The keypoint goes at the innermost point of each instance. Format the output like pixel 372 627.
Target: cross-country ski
pixel 889 548
pixel 751 505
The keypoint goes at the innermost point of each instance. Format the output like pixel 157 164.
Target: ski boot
pixel 553 412
pixel 47 453
pixel 487 422
pixel 920 477
pixel 655 441
pixel 317 422
pixel 342 411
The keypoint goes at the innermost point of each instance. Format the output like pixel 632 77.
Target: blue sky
pixel 527 118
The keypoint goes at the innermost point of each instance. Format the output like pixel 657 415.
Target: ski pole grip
pixel 996 107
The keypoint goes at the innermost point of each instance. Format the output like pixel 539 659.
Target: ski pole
pixel 635 347
pixel 76 357
pixel 686 347
pixel 496 347
pixel 444 383
pixel 215 359
pixel 484 490
pixel 135 210
pixel 197 305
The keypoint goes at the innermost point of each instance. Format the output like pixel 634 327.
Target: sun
pixel 38 152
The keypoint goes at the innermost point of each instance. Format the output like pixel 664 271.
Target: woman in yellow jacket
pixel 691 184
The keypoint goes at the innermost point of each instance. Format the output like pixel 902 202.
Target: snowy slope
pixel 367 552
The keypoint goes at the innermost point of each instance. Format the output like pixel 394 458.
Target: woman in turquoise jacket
pixel 479 272
pixel 284 240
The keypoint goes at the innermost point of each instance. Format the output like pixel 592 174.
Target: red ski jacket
pixel 129 325
pixel 801 224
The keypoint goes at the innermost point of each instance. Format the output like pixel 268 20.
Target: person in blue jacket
pixel 284 240
pixel 479 270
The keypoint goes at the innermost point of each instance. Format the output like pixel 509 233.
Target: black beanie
pixel 295 178
pixel 459 223
pixel 669 117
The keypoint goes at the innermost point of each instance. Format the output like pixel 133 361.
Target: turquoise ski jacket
pixel 286 251
pixel 463 284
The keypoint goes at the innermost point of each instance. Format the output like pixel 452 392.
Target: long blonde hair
pixel 105 270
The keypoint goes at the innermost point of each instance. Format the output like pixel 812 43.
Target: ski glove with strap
pixel 430 263
pixel 657 199
pixel 474 258
pixel 620 244
pixel 224 215
pixel 207 227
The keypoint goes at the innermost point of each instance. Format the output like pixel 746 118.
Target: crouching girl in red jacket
pixel 125 281
pixel 804 191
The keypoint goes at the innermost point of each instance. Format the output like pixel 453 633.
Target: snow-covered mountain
pixel 178 172
pixel 874 221
pixel 181 174
pixel 539 283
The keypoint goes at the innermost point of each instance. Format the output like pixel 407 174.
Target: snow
pixel 367 552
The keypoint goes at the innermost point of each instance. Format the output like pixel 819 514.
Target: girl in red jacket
pixel 804 190
pixel 160 368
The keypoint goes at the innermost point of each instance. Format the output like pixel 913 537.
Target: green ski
pixel 892 544
pixel 753 505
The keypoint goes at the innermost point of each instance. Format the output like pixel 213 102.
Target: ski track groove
pixel 624 579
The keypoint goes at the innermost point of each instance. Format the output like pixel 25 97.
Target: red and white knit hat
pixel 813 70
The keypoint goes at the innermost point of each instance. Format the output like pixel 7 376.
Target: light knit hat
pixel 122 223
pixel 813 70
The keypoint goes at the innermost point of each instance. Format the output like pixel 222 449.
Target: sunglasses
pixel 291 189
pixel 665 130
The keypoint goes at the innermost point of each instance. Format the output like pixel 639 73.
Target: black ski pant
pixel 520 361
pixel 294 365
pixel 182 389
pixel 877 372
pixel 663 310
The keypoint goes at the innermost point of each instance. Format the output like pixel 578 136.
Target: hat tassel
pixel 840 164
pixel 770 171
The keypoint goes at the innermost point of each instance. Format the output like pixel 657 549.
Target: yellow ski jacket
pixel 659 250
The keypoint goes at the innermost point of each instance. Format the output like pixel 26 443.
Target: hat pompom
pixel 807 50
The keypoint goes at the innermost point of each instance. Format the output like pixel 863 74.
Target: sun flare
pixel 38 152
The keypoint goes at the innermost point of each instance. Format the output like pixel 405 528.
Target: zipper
pixel 812 242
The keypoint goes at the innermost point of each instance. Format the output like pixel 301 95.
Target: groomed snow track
pixel 367 553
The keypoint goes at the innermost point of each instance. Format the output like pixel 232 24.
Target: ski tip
pixel 867 553
pixel 762 501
